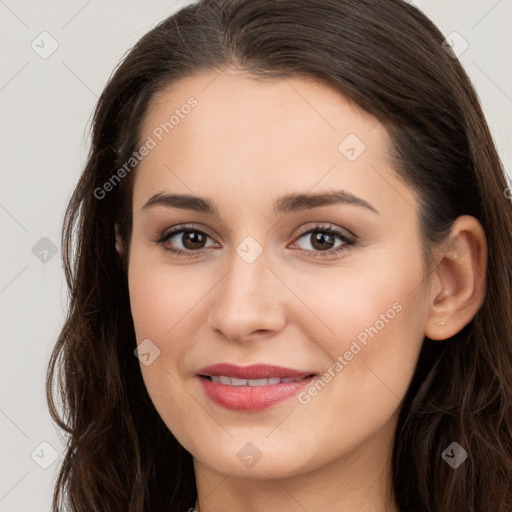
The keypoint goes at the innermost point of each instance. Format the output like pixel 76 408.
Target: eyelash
pixel 348 243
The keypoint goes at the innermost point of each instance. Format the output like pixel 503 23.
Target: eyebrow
pixel 285 204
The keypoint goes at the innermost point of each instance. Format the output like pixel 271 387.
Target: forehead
pixel 233 135
pixel 293 109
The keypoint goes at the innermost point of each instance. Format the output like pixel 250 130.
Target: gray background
pixel 46 109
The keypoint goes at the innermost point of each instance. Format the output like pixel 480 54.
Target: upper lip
pixel 254 371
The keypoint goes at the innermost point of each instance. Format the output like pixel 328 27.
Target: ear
pixel 458 281
pixel 119 241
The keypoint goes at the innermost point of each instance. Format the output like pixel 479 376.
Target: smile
pixel 251 388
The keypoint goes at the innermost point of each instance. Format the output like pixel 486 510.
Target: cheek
pixel 169 307
pixel 370 320
pixel 164 306
pixel 372 331
pixel 161 297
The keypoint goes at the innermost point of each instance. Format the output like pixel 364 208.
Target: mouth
pixel 251 388
pixel 253 372
pixel 234 381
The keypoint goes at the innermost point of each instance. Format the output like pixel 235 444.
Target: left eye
pixel 323 239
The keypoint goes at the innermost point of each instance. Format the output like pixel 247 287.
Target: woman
pixel 294 215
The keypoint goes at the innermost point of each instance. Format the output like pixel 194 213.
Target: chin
pixel 260 459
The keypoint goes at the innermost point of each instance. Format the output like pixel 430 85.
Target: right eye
pixel 192 241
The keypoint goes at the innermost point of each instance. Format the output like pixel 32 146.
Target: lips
pixel 251 388
pixel 255 371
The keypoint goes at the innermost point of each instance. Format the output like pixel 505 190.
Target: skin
pixel 247 142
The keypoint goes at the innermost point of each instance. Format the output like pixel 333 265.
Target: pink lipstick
pixel 251 388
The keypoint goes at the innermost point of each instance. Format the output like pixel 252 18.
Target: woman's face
pixel 272 160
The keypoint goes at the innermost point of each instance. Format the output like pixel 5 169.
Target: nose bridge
pixel 247 298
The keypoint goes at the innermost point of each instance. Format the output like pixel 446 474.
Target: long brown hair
pixel 387 57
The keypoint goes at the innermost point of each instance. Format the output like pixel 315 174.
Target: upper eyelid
pixel 327 227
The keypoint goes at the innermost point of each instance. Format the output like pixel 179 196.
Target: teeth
pixel 234 381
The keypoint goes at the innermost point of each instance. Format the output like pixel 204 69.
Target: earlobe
pixel 458 283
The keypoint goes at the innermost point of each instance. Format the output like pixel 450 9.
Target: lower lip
pixel 251 398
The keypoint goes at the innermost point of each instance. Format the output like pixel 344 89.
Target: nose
pixel 249 301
